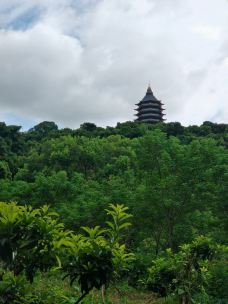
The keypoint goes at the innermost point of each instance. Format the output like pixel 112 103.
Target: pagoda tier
pixel 146 115
pixel 150 109
pixel 154 102
pixel 149 105
pixel 160 118
pixel 150 120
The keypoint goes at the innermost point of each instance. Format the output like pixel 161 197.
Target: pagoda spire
pixel 150 109
pixel 149 91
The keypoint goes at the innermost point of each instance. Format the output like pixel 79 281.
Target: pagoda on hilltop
pixel 150 109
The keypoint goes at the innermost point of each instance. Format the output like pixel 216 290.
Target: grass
pixel 51 285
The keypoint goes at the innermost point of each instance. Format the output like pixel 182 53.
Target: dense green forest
pixel 173 181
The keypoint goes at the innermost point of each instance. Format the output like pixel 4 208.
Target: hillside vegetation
pixel 170 184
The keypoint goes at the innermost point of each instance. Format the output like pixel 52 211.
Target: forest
pixel 136 213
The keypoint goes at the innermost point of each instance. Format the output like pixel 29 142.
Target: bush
pixel 162 275
pixel 184 274
pixel 218 282
pixel 33 240
pixel 137 271
pixel 12 288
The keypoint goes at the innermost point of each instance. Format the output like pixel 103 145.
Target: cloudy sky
pixel 75 61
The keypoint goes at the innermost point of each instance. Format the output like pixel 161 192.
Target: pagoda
pixel 150 109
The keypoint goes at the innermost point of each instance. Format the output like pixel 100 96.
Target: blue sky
pixel 78 61
pixel 12 119
pixel 25 20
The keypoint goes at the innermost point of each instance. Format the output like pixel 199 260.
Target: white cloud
pixel 91 60
pixel 209 32
pixel 226 62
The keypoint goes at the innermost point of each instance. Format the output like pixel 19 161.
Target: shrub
pixel 218 281
pixel 33 240
pixel 186 274
pixel 12 288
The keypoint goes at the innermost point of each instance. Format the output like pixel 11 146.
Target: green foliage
pixel 190 273
pixel 218 280
pixel 12 288
pixel 43 129
pixel 95 260
pixel 118 223
pixel 169 175
pixel 172 178
pixel 90 263
pixel 4 170
pixel 33 239
pixel 28 238
pixel 161 276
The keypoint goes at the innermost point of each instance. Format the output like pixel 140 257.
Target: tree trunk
pixel 184 300
pixel 103 293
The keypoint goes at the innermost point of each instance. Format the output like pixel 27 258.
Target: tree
pixel 42 130
pixel 175 180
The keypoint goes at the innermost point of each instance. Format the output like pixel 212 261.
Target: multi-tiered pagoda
pixel 150 109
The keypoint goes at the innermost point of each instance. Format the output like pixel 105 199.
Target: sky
pixel 76 61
